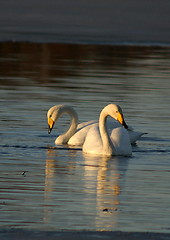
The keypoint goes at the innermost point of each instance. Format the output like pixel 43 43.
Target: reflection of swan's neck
pixel 63 138
pixel 107 144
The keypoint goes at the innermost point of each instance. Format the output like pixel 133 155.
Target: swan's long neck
pixel 63 138
pixel 108 147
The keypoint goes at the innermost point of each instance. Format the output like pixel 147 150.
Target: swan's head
pixel 52 116
pixel 116 112
pixel 56 111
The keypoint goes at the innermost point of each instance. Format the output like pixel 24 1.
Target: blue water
pixel 52 188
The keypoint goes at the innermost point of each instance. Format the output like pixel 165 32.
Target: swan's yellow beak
pixel 120 119
pixel 50 124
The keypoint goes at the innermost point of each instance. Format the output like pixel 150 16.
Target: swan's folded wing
pixel 120 140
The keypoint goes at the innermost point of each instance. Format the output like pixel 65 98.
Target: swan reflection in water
pixel 87 185
pixel 48 186
pixel 106 176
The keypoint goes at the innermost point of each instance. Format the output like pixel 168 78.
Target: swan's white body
pixel 133 135
pixel 79 137
pixel 76 133
pixel 98 141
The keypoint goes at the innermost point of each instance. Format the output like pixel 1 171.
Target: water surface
pixel 44 187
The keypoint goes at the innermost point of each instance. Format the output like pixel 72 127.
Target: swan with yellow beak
pixel 76 133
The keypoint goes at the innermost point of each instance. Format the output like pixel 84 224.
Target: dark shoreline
pixel 22 234
pixel 93 43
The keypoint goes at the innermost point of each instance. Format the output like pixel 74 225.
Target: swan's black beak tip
pixel 49 130
pixel 125 125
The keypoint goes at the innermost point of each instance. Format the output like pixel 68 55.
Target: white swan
pixel 70 137
pixel 77 132
pixel 98 140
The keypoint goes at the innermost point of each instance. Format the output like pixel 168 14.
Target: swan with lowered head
pixel 98 140
pixel 76 133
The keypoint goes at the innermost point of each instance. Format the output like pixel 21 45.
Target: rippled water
pixel 44 187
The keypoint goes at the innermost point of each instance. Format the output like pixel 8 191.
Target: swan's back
pixel 134 136
pixel 79 137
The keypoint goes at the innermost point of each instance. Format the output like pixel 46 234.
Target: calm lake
pixel 46 187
